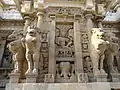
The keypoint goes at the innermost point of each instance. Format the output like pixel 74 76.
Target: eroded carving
pixel 65 68
pixel 32 44
pixel 111 51
pixel 18 53
pixel 98 46
pixel 64 10
pixel 87 63
pixel 64 41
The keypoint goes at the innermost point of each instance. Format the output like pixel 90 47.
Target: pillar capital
pixel 27 17
pixel 52 17
pixel 40 13
pixel 89 16
pixel 77 17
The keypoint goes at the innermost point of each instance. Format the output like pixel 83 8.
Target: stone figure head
pixel 14 46
pixel 32 31
pixel 98 33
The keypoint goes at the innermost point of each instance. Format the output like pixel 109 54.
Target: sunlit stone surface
pixel 59 44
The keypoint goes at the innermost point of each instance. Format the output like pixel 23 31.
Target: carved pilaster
pixel 40 19
pixel 27 22
pixel 77 43
pixel 89 25
pixel 100 19
pixel 100 24
pixel 89 4
pixel 52 54
pixel 89 21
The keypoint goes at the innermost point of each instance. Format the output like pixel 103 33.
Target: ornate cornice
pixel 64 10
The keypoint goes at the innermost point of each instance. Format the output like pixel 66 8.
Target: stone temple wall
pixel 66 43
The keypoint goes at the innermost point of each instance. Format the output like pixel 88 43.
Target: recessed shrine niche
pixel 64 48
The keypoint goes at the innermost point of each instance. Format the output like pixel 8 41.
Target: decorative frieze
pixel 64 10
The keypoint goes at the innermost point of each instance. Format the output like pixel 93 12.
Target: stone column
pixel 89 4
pixel 89 23
pixel 27 22
pixel 40 19
pixel 78 51
pixel 100 22
pixel 77 44
pixel 52 61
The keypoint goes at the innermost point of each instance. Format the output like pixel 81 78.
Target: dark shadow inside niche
pixel 6 65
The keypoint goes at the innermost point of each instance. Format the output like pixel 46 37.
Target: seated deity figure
pixel 18 53
pixel 98 46
pixel 32 44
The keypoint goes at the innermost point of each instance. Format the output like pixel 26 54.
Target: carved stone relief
pixel 88 65
pixel 18 54
pixel 98 45
pixel 64 10
pixel 43 63
pixel 64 41
pixel 31 42
pixel 85 42
pixel 65 72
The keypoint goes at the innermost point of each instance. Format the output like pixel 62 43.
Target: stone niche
pixel 64 48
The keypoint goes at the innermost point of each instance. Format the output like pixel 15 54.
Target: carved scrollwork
pixel 85 42
pixel 87 64
pixel 64 10
pixel 64 41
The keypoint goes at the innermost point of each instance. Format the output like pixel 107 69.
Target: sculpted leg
pixel 95 63
pixel 101 64
pixel 16 68
pixel 35 62
pixel 110 63
pixel 29 61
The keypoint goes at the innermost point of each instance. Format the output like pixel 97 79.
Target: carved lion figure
pixel 18 54
pixel 32 44
pixel 111 51
pixel 98 46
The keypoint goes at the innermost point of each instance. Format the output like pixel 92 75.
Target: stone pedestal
pixel 101 77
pixel 14 78
pixel 49 78
pixel 115 77
pixel 63 86
pixel 82 77
pixel 31 78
